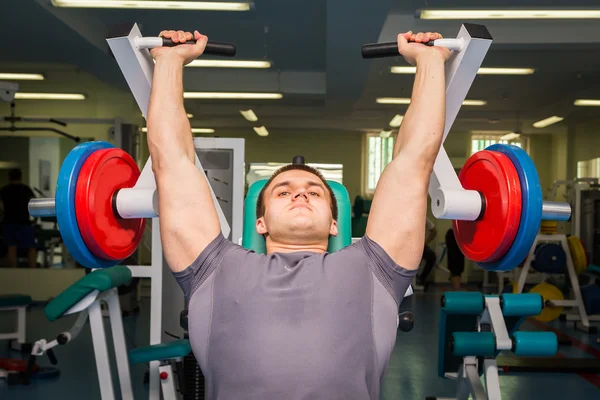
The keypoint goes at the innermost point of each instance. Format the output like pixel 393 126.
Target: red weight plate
pixel 106 234
pixel 494 176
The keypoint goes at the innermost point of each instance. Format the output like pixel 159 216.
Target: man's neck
pixel 277 247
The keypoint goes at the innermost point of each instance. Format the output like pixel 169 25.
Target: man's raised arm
pixel 398 214
pixel 188 219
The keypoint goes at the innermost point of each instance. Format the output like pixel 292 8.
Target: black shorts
pixel 456 259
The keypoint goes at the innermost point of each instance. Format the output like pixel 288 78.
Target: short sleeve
pixel 393 277
pixel 196 273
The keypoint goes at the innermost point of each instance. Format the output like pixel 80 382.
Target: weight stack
pixel 194 388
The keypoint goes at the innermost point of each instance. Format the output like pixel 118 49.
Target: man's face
pixel 297 209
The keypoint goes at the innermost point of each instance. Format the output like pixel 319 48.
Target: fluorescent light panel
pixel 249 115
pixel 400 100
pixel 261 131
pixel 509 14
pixel 547 121
pixel 490 132
pixel 396 121
pixel 21 77
pixel 154 5
pixel 200 63
pixel 228 95
pixel 385 134
pixel 587 102
pixel 510 136
pixel 194 130
pixel 49 96
pixel 481 71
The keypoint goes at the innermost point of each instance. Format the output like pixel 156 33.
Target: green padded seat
pixel 101 279
pixel 14 300
pixel 251 240
pixel 158 352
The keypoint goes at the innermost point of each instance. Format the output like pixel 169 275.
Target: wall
pixel 47 149
pixel 541 151
pixel 584 144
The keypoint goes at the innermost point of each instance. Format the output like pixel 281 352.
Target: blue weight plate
pixel 531 210
pixel 65 205
pixel 550 258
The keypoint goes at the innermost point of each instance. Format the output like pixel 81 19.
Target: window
pixel 480 142
pixel 258 171
pixel 379 154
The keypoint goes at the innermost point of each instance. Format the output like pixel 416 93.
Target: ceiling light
pixel 548 121
pixel 490 132
pixel 22 77
pixel 586 102
pixel 399 100
pixel 229 64
pixel 481 71
pixel 385 134
pixel 509 14
pixel 190 115
pixel 249 115
pixel 261 131
pixel 49 96
pixel 396 121
pixel 227 95
pixel 194 130
pixel 154 5
pixel 510 136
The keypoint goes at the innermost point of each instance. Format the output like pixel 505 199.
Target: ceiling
pixel 314 47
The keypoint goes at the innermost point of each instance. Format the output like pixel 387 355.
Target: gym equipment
pixel 591 298
pixel 550 258
pixel 18 303
pixel 472 201
pixel 557 245
pixel 17 371
pixel 578 253
pixel 475 328
pixel 549 227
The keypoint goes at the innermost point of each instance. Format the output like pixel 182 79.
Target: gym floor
pixel 411 373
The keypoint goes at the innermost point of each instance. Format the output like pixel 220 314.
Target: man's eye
pixel 283 193
pixel 313 193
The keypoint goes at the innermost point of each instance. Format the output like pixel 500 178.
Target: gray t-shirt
pixel 299 325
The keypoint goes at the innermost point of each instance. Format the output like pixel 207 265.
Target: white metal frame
pixel 19 334
pixel 580 315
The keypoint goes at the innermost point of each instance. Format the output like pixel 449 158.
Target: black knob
pixel 407 321
pixel 183 320
pixel 62 339
pixel 298 160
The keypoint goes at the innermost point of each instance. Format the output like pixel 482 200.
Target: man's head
pixel 14 175
pixel 297 206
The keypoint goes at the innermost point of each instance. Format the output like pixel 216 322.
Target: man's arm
pixel 188 219
pixel 398 214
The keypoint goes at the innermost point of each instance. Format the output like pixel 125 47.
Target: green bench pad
pixel 101 279
pixel 163 351
pixel 14 300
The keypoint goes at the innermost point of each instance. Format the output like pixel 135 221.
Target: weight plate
pixel 531 208
pixel 548 292
pixel 550 258
pixel 578 254
pixel 106 234
pixel 65 205
pixel 494 176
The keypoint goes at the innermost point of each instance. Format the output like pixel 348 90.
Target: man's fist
pixel 411 48
pixel 185 52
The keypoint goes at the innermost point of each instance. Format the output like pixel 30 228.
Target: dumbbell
pixel 497 212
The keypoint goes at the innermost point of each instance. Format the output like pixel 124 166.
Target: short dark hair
pixel 260 204
pixel 14 174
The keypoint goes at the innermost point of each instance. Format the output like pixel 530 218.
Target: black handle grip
pixel 380 50
pixel 52 357
pixel 29 370
pixel 406 321
pixel 213 48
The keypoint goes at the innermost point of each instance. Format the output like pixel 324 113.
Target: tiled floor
pixel 412 372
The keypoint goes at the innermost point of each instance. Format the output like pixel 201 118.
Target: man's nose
pixel 301 192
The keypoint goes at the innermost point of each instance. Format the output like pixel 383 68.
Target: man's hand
pixel 184 52
pixel 411 47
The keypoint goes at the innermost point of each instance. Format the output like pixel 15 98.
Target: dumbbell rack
pixel 582 320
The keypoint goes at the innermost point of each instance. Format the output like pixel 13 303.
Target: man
pixel 296 322
pixel 18 230
pixel 428 255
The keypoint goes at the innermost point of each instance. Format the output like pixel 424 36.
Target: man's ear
pixel 261 227
pixel 333 230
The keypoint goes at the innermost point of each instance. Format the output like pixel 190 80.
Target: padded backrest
pixel 251 240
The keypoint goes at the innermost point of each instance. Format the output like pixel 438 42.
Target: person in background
pixel 428 255
pixel 456 259
pixel 18 229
